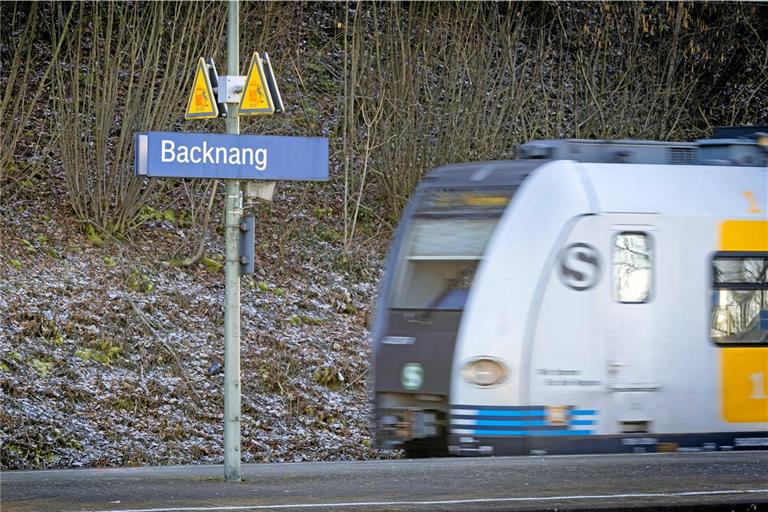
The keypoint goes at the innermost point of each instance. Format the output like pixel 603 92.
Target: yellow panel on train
pixel 744 370
pixel 745 391
pixel 744 235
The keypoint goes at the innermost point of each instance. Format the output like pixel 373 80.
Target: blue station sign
pixel 225 156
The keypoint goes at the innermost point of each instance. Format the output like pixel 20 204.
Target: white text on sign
pixel 208 154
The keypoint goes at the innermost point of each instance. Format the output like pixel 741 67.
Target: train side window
pixel 632 267
pixel 739 298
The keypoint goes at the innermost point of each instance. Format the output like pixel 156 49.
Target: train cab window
pixel 441 258
pixel 740 298
pixel 632 268
pixel 445 240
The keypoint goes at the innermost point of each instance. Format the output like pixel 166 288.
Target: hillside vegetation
pixel 112 287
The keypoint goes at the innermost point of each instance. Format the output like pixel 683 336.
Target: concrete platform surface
pixel 676 481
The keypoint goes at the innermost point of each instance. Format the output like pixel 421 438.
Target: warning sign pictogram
pixel 201 103
pixel 256 97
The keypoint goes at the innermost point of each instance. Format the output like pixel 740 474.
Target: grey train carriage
pixel 593 296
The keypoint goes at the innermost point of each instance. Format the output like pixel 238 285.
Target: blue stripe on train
pixel 512 423
pixel 503 412
pixel 507 423
pixel 533 432
pixel 479 418
pixel 531 411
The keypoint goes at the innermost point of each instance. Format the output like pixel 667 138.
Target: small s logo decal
pixel 579 266
pixel 412 376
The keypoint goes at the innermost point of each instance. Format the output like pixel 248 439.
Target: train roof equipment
pixel 747 147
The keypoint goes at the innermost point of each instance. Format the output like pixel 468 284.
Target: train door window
pixel 632 267
pixel 739 298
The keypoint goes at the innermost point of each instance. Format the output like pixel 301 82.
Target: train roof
pixel 497 173
pixel 733 146
pixel 709 176
pixel 725 175
pixel 744 146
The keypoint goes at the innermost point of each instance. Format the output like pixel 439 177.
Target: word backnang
pixel 205 154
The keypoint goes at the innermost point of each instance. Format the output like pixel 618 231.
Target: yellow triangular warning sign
pixel 201 103
pixel 256 98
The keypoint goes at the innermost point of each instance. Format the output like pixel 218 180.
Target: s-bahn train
pixel 592 296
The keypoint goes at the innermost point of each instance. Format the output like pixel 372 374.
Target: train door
pixel 632 316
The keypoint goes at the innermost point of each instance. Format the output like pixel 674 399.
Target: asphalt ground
pixel 675 481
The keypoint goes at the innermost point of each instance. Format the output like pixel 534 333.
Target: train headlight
pixel 484 372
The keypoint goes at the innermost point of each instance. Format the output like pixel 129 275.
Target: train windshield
pixel 445 242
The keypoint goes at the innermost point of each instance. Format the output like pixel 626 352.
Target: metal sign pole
pixel 233 210
pixel 233 157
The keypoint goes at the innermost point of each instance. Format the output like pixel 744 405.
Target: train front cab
pixel 434 257
pixel 612 327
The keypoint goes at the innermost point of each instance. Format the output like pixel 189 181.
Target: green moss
pixel 304 320
pixel 139 282
pixel 309 320
pixel 110 350
pixel 42 367
pixel 211 264
pixel 325 80
pixel 109 261
pixel 184 220
pixel 122 404
pixel 28 246
pixel 329 85
pixel 322 213
pixel 105 352
pixel 50 331
pixel 329 234
pixel 36 450
pixel 16 263
pixel 93 236
pixel 85 354
pixel 149 213
pixel 328 377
